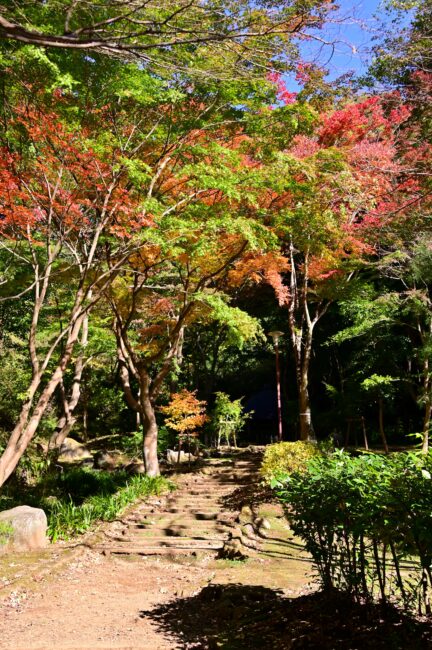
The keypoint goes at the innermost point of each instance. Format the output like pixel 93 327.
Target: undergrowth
pixel 77 499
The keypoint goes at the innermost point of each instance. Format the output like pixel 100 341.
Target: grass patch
pixel 78 498
pixel 6 532
pixel 65 518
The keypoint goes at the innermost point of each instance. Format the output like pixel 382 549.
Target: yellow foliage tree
pixel 186 415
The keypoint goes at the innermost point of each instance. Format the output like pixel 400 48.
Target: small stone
pixel 109 460
pixel 248 530
pixel 174 458
pixel 246 511
pixel 135 468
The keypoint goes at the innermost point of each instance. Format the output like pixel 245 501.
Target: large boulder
pixel 173 457
pixel 109 460
pixel 135 467
pixel 74 452
pixel 24 528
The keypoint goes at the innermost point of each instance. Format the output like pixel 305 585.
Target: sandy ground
pixel 96 603
pixel 75 597
pixel 106 602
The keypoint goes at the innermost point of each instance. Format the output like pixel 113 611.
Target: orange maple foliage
pixel 264 267
pixel 65 185
pixel 185 413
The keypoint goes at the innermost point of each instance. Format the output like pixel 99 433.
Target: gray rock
pixel 108 459
pixel 73 451
pixel 29 527
pixel 136 468
pixel 249 531
pixel 173 457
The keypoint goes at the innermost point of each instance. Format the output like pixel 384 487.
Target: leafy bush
pixel 185 414
pixel 284 458
pixel 228 418
pixel 362 518
pixel 80 483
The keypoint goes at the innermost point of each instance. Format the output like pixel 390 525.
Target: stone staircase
pixel 191 520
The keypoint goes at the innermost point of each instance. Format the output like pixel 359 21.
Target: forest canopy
pixel 177 180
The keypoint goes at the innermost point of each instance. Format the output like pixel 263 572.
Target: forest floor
pixel 162 578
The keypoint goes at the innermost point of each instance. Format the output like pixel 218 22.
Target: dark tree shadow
pixel 242 617
pixel 254 495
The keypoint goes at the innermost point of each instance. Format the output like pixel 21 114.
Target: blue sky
pixel 355 28
pixel 353 36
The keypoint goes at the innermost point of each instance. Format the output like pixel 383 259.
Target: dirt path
pixel 154 580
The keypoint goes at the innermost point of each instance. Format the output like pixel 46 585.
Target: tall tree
pixel 180 278
pixel 59 201
pixel 325 188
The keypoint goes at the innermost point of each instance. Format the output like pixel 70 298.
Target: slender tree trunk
pixel 306 427
pixel 381 424
pixel 67 421
pixel 427 405
pixel 85 414
pixel 142 404
pixel 27 425
pixel 138 418
pixel 301 323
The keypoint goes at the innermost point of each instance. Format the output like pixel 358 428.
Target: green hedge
pixel 367 522
pixel 286 457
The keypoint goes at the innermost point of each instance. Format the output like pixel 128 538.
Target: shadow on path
pixel 242 617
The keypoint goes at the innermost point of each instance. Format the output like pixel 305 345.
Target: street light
pixel 276 336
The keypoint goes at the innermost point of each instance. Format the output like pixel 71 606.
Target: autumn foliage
pixel 185 414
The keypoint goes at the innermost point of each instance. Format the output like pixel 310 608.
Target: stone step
pixel 191 501
pixel 208 489
pixel 171 540
pixel 175 534
pixel 170 552
pixel 191 510
pixel 174 527
pixel 182 516
pixel 129 549
pixel 169 522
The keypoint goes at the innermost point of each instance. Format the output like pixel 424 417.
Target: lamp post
pixel 276 336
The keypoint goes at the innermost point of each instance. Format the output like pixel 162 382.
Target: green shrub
pixel 286 457
pixel 228 418
pixel 81 482
pixel 361 518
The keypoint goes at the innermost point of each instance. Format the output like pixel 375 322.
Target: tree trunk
pixel 28 424
pixel 302 321
pixel 381 424
pixel 150 429
pixel 68 419
pixel 150 438
pixel 307 432
pixel 428 406
pixel 426 425
pixel 22 435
